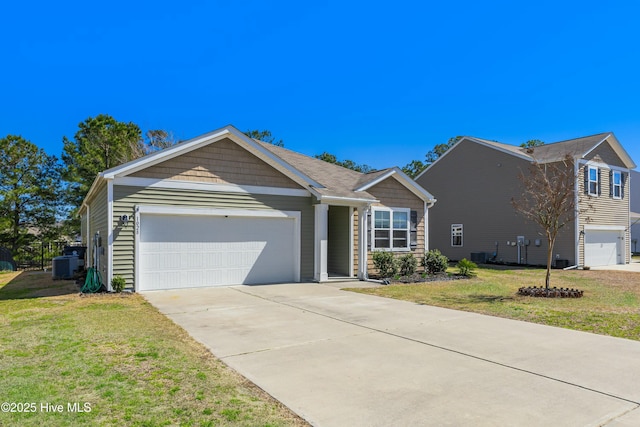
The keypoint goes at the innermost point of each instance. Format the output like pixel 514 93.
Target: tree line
pixel 40 194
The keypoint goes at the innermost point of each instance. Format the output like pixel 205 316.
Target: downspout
pixel 576 171
pixel 426 228
pixel 427 205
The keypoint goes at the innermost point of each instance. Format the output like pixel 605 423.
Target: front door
pixel 339 241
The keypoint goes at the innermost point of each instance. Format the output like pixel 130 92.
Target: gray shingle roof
pixel 321 178
pixel 577 147
pixel 518 151
pixel 556 151
pixel 337 181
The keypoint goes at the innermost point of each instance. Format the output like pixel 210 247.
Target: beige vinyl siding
pixel 126 198
pixel 98 207
pixel 604 209
pixel 221 162
pixel 393 194
pixel 474 185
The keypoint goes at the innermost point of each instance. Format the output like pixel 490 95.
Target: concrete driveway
pixel 634 266
pixel 343 359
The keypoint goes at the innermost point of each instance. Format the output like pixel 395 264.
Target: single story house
pixel 476 179
pixel 224 209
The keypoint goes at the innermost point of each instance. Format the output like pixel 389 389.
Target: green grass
pixel 610 305
pixel 119 355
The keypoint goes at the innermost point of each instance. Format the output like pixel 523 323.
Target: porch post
pixel 321 236
pixel 363 234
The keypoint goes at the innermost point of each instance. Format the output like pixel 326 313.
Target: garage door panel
pixel 179 251
pixel 602 247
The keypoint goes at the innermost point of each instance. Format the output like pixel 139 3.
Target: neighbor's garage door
pixel 602 247
pixel 184 251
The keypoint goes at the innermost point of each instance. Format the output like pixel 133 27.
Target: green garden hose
pixel 93 282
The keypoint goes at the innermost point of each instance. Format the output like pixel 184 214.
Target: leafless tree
pixel 548 199
pixel 158 139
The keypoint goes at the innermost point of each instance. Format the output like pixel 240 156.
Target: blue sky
pixel 377 82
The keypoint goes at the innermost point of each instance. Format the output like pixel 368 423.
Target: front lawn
pixel 67 360
pixel 610 305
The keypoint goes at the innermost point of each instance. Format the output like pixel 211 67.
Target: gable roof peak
pixel 580 148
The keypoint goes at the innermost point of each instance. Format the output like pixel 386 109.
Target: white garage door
pixel 186 251
pixel 602 247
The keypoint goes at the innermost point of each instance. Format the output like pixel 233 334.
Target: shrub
pixel 434 262
pixel 407 264
pixel 466 267
pixel 386 263
pixel 118 283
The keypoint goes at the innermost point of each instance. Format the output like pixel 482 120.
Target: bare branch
pixel 548 199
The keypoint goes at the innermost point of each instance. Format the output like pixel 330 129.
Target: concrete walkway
pixel 343 359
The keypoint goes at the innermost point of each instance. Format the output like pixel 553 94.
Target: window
pixel 616 184
pixel 593 181
pixel 391 228
pixel 456 234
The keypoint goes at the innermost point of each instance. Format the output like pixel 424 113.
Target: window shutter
pixel 599 182
pixel 414 230
pixel 586 180
pixel 610 183
pixel 623 179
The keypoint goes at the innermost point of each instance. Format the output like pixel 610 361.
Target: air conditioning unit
pixel 480 257
pixel 64 266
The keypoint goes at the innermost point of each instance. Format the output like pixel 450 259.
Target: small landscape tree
pixel 548 199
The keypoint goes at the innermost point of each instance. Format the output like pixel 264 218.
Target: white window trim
pixel 614 185
pixel 461 227
pixel 391 229
pixel 589 181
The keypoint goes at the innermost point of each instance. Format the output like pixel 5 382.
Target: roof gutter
pixel 345 200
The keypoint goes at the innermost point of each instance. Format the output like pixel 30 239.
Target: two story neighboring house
pixel 476 179
pixel 635 212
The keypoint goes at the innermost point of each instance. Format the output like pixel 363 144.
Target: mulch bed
pixel 420 278
pixel 550 293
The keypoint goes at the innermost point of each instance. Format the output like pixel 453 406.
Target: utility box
pixel 562 263
pixel 78 251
